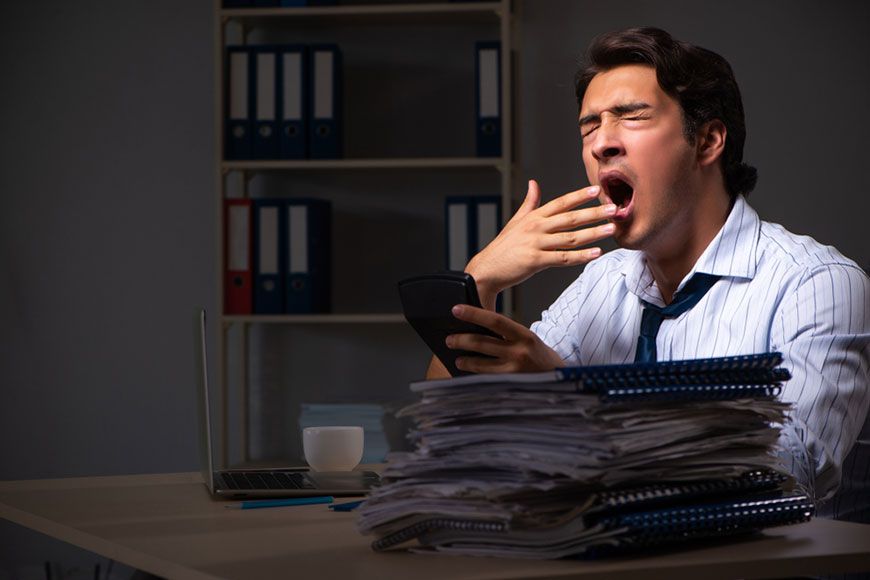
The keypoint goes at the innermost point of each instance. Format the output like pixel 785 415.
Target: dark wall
pixel 107 238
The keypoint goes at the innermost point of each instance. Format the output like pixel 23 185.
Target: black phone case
pixel 427 302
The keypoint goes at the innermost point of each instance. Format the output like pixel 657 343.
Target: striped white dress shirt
pixel 778 292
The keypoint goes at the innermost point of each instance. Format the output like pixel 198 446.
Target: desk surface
pixel 169 526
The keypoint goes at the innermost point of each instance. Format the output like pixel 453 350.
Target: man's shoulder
pixel 614 261
pixel 798 253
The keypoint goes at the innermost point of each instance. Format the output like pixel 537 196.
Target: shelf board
pixel 393 163
pixel 315 319
pixel 470 10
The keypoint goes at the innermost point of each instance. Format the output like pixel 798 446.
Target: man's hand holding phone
pixel 515 349
pixel 537 237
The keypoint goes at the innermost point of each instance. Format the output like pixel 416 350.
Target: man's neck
pixel 669 267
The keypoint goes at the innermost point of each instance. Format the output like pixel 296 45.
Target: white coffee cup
pixel 332 448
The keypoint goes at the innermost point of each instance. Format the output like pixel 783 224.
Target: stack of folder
pixel 278 256
pixel 367 416
pixel 589 462
pixel 283 102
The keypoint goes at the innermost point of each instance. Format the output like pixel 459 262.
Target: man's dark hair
pixel 699 79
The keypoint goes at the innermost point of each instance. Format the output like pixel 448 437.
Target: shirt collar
pixel 731 254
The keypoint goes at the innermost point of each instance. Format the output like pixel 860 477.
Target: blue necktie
pixel 653 315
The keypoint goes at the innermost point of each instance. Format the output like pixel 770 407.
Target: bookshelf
pixel 392 49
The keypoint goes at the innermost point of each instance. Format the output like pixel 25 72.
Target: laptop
pixel 273 482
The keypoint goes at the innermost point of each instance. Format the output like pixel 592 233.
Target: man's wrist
pixel 486 294
pixel 486 291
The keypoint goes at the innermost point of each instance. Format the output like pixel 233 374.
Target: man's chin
pixel 625 240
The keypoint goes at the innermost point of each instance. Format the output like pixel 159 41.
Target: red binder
pixel 238 281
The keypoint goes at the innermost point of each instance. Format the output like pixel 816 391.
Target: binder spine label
pixel 323 85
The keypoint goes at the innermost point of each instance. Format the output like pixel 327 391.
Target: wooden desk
pixel 168 525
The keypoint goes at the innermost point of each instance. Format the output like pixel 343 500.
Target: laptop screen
pixel 202 407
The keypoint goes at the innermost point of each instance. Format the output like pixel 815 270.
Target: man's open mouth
pixel 619 191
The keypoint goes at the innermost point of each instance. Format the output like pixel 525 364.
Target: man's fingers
pixel 576 238
pixel 498 323
pixel 570 200
pixel 480 365
pixel 478 343
pixel 580 217
pixel 532 200
pixel 560 258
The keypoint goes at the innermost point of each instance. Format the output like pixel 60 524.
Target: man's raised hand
pixel 539 237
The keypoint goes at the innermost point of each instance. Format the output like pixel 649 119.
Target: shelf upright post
pixel 244 370
pixel 506 173
pixel 220 24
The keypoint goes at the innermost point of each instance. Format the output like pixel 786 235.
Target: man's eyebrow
pixel 617 110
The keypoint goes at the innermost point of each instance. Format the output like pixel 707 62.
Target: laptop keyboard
pixel 265 480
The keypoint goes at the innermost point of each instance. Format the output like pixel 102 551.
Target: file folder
pixel 293 100
pixel 266 102
pixel 488 98
pixel 308 251
pixel 326 127
pixel 471 224
pixel 238 281
pixel 268 256
pixel 238 110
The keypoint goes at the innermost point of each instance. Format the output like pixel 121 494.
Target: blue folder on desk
pixel 488 98
pixel 326 126
pixel 238 108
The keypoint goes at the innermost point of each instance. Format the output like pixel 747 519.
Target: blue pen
pixel 268 503
pixel 347 506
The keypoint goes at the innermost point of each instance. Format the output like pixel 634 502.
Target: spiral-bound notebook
pixel 720 378
pixel 622 521
pixel 589 461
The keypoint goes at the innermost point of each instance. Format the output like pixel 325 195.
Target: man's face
pixel 634 147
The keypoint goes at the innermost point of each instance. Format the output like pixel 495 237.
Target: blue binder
pixel 238 106
pixel 471 223
pixel 326 127
pixel 269 255
pixel 293 101
pixel 266 134
pixel 488 98
pixel 308 252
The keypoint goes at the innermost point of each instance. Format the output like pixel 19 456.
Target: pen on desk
pixel 346 507
pixel 268 503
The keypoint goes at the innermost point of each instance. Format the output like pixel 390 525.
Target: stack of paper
pixel 550 465
pixel 369 417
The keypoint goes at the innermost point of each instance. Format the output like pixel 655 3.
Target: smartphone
pixel 427 302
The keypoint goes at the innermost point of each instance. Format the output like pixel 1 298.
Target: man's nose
pixel 607 143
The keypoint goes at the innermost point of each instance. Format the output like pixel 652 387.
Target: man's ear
pixel 711 142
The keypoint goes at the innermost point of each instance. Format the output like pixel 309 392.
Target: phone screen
pixel 427 302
